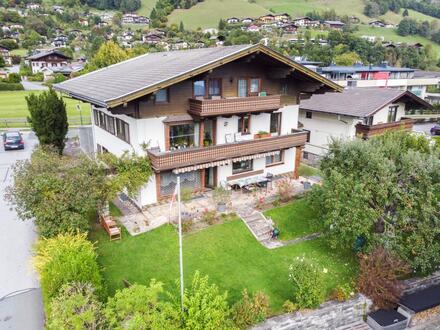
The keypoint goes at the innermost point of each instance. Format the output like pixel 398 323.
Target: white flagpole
pixel 180 244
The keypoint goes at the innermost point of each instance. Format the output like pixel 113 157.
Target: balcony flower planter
pixel 262 135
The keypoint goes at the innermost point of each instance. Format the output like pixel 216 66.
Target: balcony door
pixel 242 87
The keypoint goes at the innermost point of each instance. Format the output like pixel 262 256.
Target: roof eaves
pixel 330 112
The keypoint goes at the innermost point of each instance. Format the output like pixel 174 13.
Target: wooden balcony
pixel 231 106
pixel 367 131
pixel 162 161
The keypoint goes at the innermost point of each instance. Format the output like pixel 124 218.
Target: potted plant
pixel 221 197
pixel 261 134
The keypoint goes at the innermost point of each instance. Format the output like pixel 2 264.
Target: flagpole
pixel 180 244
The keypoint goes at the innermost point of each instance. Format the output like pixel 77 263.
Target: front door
pixel 209 177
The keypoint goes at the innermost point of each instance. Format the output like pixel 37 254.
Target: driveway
pixel 33 86
pixel 16 240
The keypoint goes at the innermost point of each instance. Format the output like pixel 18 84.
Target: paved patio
pixel 151 217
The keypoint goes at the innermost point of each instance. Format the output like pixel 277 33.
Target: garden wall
pixel 329 315
pixel 416 284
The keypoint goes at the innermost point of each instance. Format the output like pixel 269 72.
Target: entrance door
pixel 209 177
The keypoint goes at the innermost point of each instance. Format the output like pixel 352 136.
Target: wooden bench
pixel 109 224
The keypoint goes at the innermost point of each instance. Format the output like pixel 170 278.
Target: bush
pixel 308 282
pixel 289 307
pixel 138 307
pixel 342 292
pixel 186 194
pixel 204 306
pixel 63 259
pixel 4 86
pixel 250 309
pixel 75 307
pixel 285 188
pixel 187 225
pixel 210 217
pixel 14 78
pixel 379 277
pixel 36 77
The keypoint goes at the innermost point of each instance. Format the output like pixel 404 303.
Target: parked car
pixel 435 130
pixel 13 140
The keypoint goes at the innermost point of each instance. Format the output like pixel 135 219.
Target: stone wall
pixel 329 315
pixel 416 284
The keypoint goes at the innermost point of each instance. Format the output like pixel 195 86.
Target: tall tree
pixel 48 118
pixel 108 53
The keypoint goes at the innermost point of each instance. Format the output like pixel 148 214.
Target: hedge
pixel 11 86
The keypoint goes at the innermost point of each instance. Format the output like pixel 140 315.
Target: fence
pixel 23 123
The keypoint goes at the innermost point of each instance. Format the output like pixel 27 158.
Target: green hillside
pixel 146 7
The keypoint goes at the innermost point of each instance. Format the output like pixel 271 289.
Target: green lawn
pixel 293 220
pixel 306 170
pixel 13 105
pixel 20 52
pixel 146 7
pixel 228 253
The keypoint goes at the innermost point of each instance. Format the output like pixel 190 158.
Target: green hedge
pixel 11 86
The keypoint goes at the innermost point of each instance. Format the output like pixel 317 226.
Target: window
pixel 305 155
pixel 183 136
pixel 276 158
pixel 215 87
pixel 368 121
pixel 392 113
pixel 244 124
pixel 110 123
pixel 161 96
pixel 242 87
pixel 96 117
pixel 199 88
pixel 242 166
pixel 102 123
pixel 255 86
pixel 114 126
pixel 122 130
pixel 275 122
pixel 308 115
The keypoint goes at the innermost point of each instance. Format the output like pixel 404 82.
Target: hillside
pixel 146 7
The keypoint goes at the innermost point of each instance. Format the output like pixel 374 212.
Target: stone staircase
pixel 257 223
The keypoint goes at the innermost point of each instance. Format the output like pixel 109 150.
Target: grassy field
pixel 13 105
pixel 305 170
pixel 228 253
pixel 293 220
pixel 146 7
pixel 20 52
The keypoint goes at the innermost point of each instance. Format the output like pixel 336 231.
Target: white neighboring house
pixel 357 112
pixel 47 59
pixel 211 115
pixel 4 52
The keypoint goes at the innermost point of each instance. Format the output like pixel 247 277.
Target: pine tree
pixel 48 118
pixel 405 13
pixel 181 27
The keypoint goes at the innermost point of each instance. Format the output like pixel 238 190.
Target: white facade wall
pixel 381 116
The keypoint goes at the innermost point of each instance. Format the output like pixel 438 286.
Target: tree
pixel 2 62
pixel 63 259
pixel 9 44
pixel 204 306
pixel 384 192
pixel 405 13
pixel 181 27
pixel 59 192
pixel 407 26
pixel 349 58
pixel 48 118
pixel 138 307
pixel 108 53
pixel 221 24
pixel 75 307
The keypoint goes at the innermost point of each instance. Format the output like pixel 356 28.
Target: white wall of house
pixel 37 66
pixel 381 116
pixel 323 127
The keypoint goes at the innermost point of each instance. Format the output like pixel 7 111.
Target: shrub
pixel 221 195
pixel 342 292
pixel 210 217
pixel 289 307
pixel 285 188
pixel 138 307
pixel 187 225
pixel 14 78
pixel 379 277
pixel 36 77
pixel 186 194
pixel 308 282
pixel 4 86
pixel 63 259
pixel 204 306
pixel 250 309
pixel 75 307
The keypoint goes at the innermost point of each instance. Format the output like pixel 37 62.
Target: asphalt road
pixel 424 127
pixel 20 308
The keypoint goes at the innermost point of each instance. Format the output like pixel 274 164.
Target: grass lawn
pixel 228 253
pixel 306 170
pixel 20 52
pixel 293 219
pixel 13 105
pixel 146 7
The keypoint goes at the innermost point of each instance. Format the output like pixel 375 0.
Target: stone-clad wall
pixel 329 315
pixel 416 284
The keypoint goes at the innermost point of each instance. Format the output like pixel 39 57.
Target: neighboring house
pixel 383 75
pixel 247 20
pixel 83 22
pixel 335 25
pixel 134 19
pixel 67 70
pixel 179 44
pixel 49 59
pixel 233 20
pixel 282 17
pixel 58 9
pixel 377 23
pixel 305 22
pixel 33 6
pixel 60 41
pixel 152 39
pixel 210 115
pixel 4 52
pixel 357 112
pixel 289 28
pixel 253 28
pixel 267 18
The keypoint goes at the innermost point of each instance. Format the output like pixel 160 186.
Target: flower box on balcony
pixel 261 135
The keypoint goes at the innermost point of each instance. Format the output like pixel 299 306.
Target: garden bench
pixel 109 224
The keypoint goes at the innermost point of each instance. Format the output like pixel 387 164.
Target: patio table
pixel 249 181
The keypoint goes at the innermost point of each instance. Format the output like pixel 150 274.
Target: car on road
pixel 13 140
pixel 435 130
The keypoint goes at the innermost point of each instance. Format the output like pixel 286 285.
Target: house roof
pixel 43 54
pixel 363 68
pixel 139 76
pixel 360 102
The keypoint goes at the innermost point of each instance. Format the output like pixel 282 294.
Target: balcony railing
pixel 367 131
pixel 162 161
pixel 231 106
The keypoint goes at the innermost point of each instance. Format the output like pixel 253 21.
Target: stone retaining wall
pixel 416 284
pixel 329 315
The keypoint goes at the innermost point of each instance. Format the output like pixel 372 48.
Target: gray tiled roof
pixel 142 72
pixel 45 53
pixel 357 102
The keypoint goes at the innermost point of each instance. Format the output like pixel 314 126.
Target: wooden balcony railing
pixel 162 161
pixel 367 131
pixel 236 105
